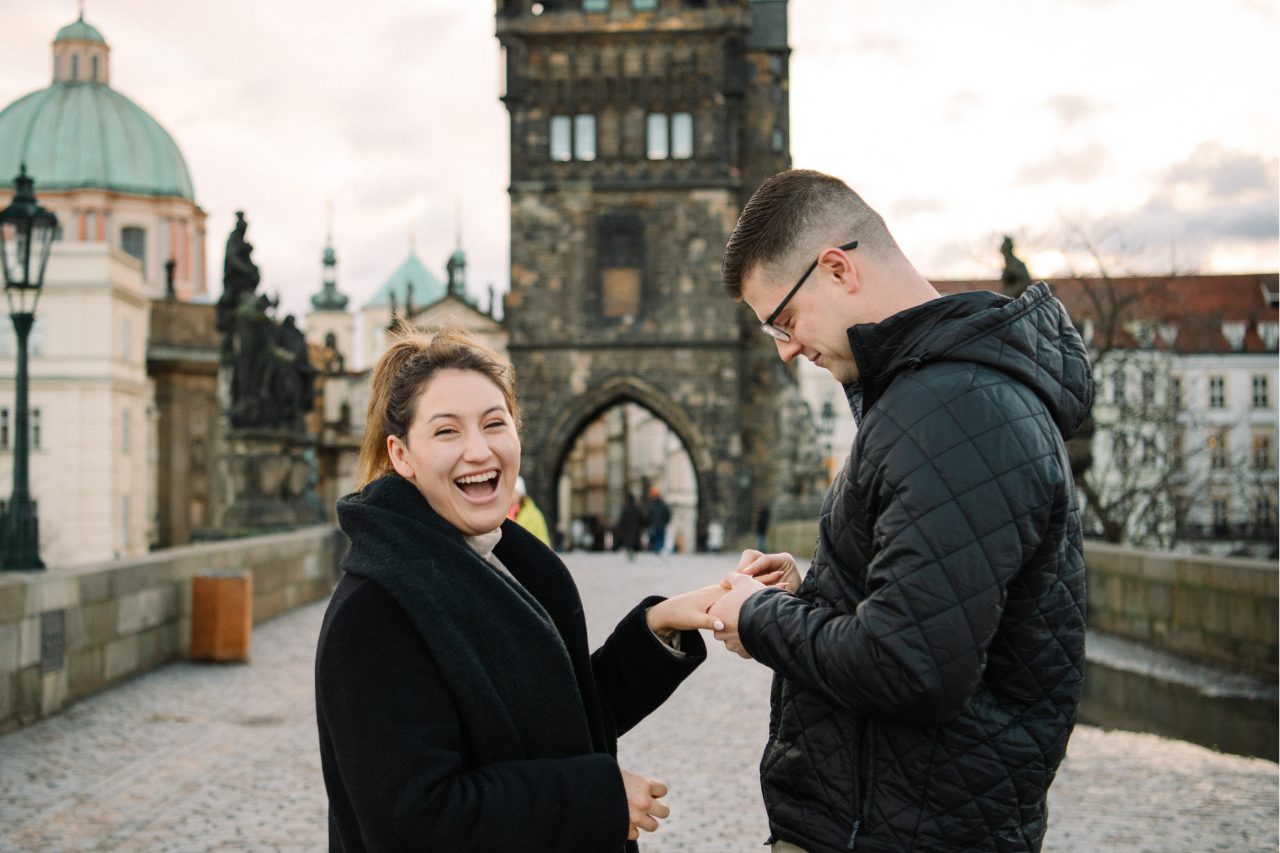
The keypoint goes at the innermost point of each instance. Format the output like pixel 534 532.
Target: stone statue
pixel 1016 278
pixel 240 276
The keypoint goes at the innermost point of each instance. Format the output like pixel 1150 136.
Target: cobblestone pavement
pixel 223 757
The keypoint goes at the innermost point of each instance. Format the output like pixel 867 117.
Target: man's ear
pixel 840 267
pixel 397 450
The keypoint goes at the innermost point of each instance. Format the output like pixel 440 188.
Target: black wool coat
pixel 460 711
pixel 930 664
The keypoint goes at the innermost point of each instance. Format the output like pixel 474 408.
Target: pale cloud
pixel 1079 166
pixel 1072 110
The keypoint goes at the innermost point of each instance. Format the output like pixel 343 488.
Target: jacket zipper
pixel 866 780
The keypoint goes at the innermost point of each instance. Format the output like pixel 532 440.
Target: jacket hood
pixel 1030 338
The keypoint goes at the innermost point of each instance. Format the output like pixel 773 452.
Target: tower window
pixel 126 431
pixel 669 136
pixel 95 69
pixel 595 5
pixel 75 66
pixel 35 429
pixel 657 145
pixel 573 137
pixel 642 5
pixel 621 253
pixel 4 429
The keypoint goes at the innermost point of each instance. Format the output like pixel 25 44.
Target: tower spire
pixel 329 299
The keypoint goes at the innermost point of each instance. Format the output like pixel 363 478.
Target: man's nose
pixel 787 350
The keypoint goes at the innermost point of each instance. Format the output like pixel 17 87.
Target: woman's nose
pixel 476 448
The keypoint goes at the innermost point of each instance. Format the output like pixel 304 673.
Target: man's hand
pixel 741 587
pixel 685 612
pixel 778 570
pixel 643 806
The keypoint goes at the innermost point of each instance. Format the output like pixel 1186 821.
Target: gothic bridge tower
pixel 639 128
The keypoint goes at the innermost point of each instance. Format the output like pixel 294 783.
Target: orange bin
pixel 221 616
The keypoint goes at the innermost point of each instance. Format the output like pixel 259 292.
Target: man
pixel 929 666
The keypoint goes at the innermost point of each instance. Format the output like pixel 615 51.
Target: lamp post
pixel 26 235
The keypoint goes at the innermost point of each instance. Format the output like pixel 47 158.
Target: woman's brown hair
pixel 402 373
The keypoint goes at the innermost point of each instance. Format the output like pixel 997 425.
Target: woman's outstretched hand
pixel 685 612
pixel 778 570
pixel 643 806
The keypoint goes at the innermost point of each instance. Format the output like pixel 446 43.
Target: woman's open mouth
pixel 479 487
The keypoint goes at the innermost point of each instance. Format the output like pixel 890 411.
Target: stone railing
pixel 68 632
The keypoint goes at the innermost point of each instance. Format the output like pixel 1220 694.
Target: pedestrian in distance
pixel 457 703
pixel 525 513
pixel 762 526
pixel 659 517
pixel 627 530
pixel 929 666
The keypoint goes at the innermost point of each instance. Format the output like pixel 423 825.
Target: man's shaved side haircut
pixel 799 212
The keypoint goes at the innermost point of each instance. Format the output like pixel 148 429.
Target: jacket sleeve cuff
pixel 757 611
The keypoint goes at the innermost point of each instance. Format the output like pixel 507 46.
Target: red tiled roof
pixel 1198 306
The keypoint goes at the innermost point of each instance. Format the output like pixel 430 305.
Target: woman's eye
pixel 493 424
pixel 446 431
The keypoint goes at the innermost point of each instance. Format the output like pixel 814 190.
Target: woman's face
pixel 461 450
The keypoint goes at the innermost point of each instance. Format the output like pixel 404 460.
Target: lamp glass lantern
pixel 26 236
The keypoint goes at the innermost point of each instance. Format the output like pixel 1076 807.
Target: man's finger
pixel 748 557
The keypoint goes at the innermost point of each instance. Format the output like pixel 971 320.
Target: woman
pixel 458 706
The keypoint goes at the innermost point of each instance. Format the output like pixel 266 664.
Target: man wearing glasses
pixel 928 667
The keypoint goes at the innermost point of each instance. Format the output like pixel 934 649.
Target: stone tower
pixel 639 128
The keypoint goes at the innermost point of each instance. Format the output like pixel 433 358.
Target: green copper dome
pixel 426 288
pixel 79 133
pixel 74 135
pixel 79 31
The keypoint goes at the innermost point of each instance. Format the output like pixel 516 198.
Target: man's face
pixel 817 317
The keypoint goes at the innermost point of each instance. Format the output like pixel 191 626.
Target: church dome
pixel 80 133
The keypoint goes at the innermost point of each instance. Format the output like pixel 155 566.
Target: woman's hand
pixel 778 570
pixel 643 805
pixel 686 612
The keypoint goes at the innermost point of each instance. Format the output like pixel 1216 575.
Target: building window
pixel 35 429
pixel 1221 514
pixel 75 66
pixel 621 253
pixel 1120 452
pixel 126 340
pixel 643 5
pixel 1264 511
pixel 4 429
pixel 669 136
pixel 1261 455
pixel 777 140
pixel 1175 392
pixel 125 431
pixel 1218 451
pixel 1261 391
pixel 134 242
pixel 595 5
pixel 1217 392
pixel 95 69
pixel 1148 387
pixel 1117 387
pixel 573 137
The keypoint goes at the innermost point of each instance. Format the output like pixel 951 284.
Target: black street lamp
pixel 26 235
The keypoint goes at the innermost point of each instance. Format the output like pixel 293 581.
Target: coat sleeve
pixel 394 754
pixel 636 673
pixel 958 511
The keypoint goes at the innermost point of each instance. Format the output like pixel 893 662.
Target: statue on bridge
pixel 1016 278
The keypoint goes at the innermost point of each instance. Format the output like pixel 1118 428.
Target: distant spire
pixel 458 244
pixel 329 299
pixel 80 5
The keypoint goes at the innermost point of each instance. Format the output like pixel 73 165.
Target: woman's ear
pixel 399 453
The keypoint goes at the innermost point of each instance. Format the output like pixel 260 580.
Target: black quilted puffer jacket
pixel 930 664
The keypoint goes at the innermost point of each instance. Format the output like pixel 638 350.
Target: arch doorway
pixel 625 449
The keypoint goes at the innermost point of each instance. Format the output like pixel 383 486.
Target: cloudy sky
pixel 1146 130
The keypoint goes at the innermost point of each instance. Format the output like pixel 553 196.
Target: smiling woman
pixel 457 703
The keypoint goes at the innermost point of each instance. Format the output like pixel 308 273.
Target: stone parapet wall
pixel 68 632
pixel 1220 611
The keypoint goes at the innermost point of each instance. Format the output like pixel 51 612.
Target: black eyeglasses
pixel 772 330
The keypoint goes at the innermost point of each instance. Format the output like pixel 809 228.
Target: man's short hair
pixel 799 211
